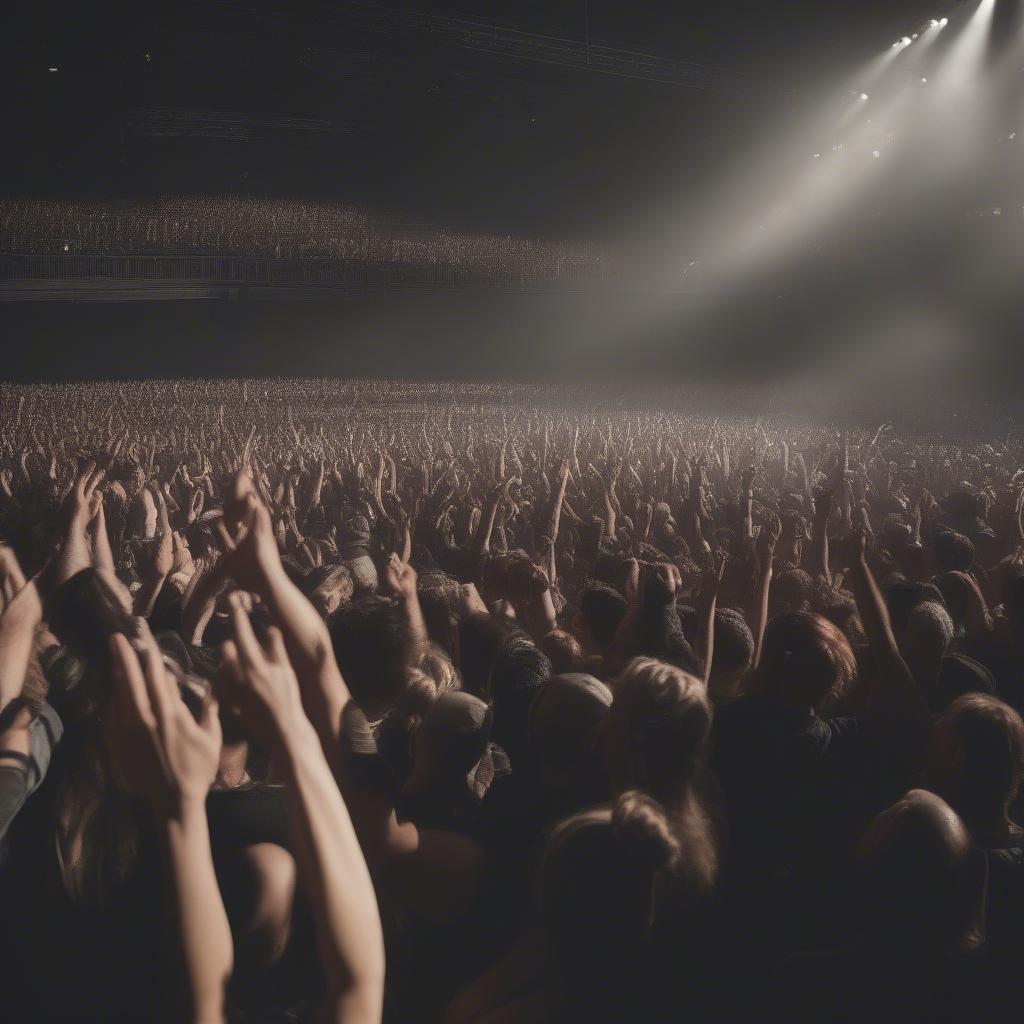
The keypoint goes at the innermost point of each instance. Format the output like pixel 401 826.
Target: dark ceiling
pixel 391 106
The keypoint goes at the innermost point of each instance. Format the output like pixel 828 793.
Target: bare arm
pixel 897 704
pixel 260 681
pixel 171 761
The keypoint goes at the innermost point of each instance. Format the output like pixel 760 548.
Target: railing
pixel 256 270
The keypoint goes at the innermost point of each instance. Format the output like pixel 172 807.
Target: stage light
pixel 876 153
pixel 51 70
pixel 906 40
pixel 924 81
pixel 864 96
pixel 943 22
pixel 933 23
pixel 817 156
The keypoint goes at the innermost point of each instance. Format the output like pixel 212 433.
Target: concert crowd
pixel 196 225
pixel 324 700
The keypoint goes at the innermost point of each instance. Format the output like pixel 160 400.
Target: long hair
pixel 656 741
pixel 95 828
pixel 806 660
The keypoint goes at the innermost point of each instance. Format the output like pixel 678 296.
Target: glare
pixel 876 153
pixel 52 69
pixel 863 95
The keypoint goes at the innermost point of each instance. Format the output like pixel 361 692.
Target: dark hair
pixel 371 644
pixel 806 659
pixel 953 551
pixel 599 887
pixel 603 609
pixel 987 763
pixel 480 639
pixel 84 612
pixel 519 669
pixel 439 600
pixel 562 648
pixel 659 727
pixel 923 874
pixel 793 589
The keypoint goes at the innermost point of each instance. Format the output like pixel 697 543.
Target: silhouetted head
pixel 806 660
pixel 601 611
pixel 924 879
pixel 566 727
pixel 452 737
pixel 791 591
pixel 923 641
pixel 976 761
pixel 599 886
pixel 657 730
pixel 953 551
pixel 563 650
pixel 371 644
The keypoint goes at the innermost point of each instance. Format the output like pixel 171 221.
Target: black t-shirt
pixel 868 983
pixel 799 790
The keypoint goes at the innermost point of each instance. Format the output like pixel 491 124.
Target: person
pixel 917 959
pixel 558 709
pixel 976 763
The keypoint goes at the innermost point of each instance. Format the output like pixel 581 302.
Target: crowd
pixel 191 225
pixel 359 702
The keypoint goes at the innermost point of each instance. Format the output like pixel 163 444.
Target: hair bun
pixel 642 827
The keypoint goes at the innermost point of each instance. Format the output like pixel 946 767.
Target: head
pixel 958 676
pixel 953 551
pixel 329 587
pixel 733 652
pixel 563 650
pixel 567 719
pixel 371 644
pixel 923 641
pixel 657 731
pixel 600 881
pixel 601 611
pixel 976 760
pixel 924 879
pixel 520 667
pixel 452 737
pixel 84 612
pixel 792 590
pixel 805 660
pixel 439 599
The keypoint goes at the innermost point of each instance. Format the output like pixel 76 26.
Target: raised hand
pixel 246 537
pixel 80 504
pixel 258 683
pixel 163 754
pixel 163 557
pixel 400 578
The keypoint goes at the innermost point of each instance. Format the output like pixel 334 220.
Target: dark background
pixel 413 124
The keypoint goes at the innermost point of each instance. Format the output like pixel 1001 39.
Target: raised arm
pixel 896 703
pixel 22 612
pixel 171 761
pixel 436 871
pixel 259 681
